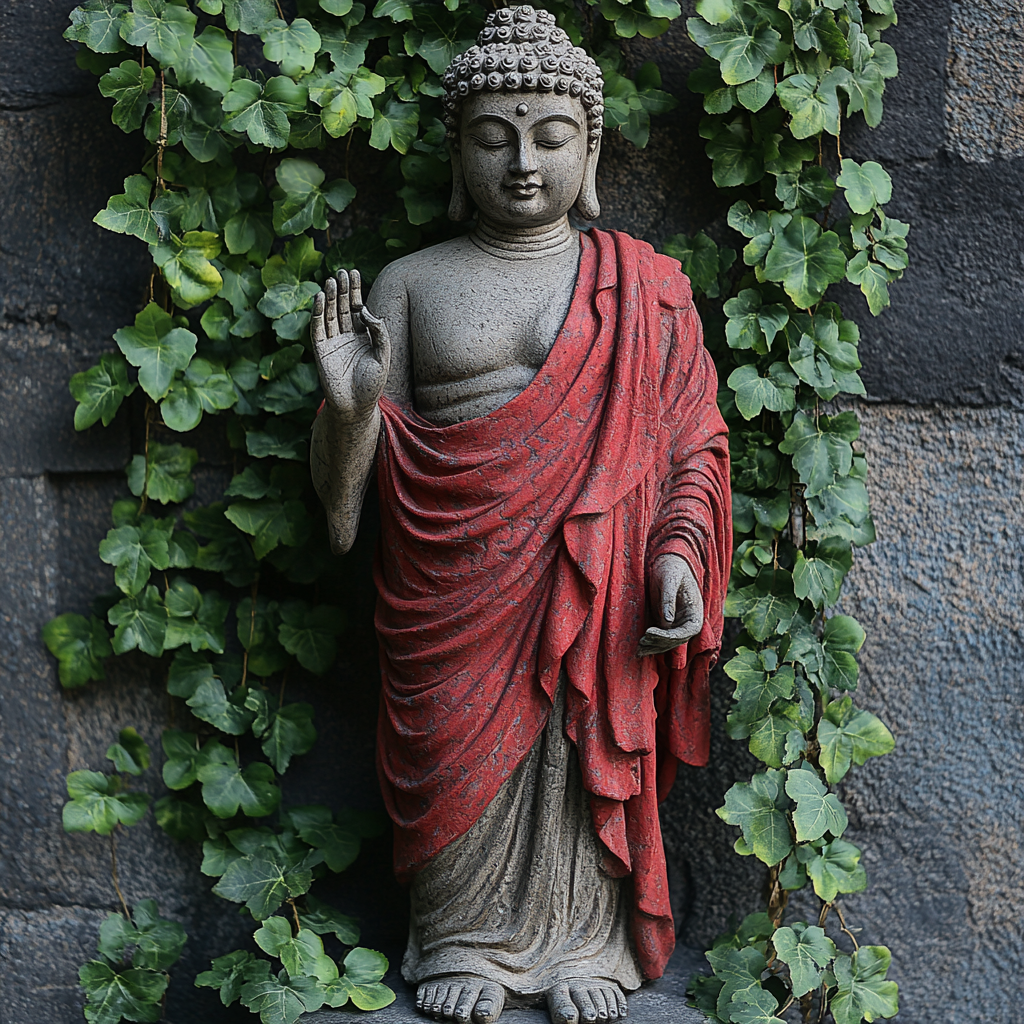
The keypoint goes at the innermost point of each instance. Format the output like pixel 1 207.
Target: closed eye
pixel 553 143
pixel 489 143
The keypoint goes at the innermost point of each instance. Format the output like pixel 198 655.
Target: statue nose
pixel 525 161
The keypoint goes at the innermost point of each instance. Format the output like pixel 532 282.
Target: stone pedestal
pixel 658 1002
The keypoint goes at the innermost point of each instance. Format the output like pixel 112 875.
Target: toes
pixel 463 1012
pixel 440 997
pixel 582 998
pixel 451 1000
pixel 425 996
pixel 600 997
pixel 623 1005
pixel 561 1008
pixel 489 1004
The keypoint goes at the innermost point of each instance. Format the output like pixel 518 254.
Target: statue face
pixel 524 155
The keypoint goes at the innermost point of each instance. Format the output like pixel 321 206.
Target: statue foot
pixel 584 1000
pixel 464 998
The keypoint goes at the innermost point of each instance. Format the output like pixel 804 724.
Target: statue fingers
pixel 317 330
pixel 378 331
pixel 344 307
pixel 331 307
pixel 355 280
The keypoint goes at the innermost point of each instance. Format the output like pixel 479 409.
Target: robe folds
pixel 517 545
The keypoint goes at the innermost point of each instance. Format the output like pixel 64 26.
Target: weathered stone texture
pixel 985 94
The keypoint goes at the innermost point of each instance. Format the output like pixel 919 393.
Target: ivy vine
pixel 778 80
pixel 234 99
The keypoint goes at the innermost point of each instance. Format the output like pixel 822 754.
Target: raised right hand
pixel 352 348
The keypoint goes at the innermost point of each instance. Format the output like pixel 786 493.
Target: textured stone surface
pixel 985 93
pixel 940 594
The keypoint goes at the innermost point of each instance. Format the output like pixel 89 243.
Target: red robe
pixel 515 545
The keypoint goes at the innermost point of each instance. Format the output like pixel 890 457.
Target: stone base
pixel 658 1002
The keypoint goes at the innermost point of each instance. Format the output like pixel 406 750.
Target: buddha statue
pixel 538 410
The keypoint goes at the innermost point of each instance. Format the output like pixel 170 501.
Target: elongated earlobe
pixel 459 208
pixel 587 204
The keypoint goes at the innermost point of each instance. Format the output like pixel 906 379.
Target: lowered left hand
pixel 676 603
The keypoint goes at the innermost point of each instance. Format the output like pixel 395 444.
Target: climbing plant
pixel 237 101
pixel 779 80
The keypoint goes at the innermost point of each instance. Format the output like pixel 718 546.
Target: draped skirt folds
pixel 522 898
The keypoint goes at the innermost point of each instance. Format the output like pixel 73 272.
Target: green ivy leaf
pixel 112 996
pixel 211 703
pixel 809 189
pixel 248 16
pixel 302 955
pixel 776 392
pixel 100 390
pixel 744 43
pixel 841 639
pixel 230 972
pixel 867 185
pixel 813 104
pixel 183 758
pixel 340 846
pixel 227 788
pixel 134 552
pixel 395 126
pixel 186 265
pixel 164 28
pixel 129 213
pixel 292 46
pixel 756 688
pixel 158 941
pixel 820 454
pixel 291 733
pixel 817 811
pixel 249 112
pixel 767 606
pixel 737 158
pixel 98 804
pixel 157 347
pixel 97 24
pixel 701 260
pixel 79 645
pixel 756 1007
pixel 263 881
pixel 360 983
pixel 325 920
pixel 863 992
pixel 194 618
pixel 204 387
pixel 130 754
pixel 166 476
pixel 805 260
pixel 310 634
pixel 820 578
pixel 141 622
pixel 872 279
pixel 208 59
pixel 834 868
pixel 806 954
pixel 282 1000
pixel 739 971
pixel 128 85
pixel 754 806
pixel 751 323
pixel 848 735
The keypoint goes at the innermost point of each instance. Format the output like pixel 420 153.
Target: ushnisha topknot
pixel 521 49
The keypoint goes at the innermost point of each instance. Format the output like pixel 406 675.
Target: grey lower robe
pixel 521 899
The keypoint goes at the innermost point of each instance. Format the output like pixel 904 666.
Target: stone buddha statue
pixel 539 410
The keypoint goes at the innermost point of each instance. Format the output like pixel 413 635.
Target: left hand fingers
pixel 659 641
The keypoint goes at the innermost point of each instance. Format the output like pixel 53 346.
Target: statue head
pixel 523 113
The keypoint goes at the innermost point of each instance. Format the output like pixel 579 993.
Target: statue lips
pixel 524 189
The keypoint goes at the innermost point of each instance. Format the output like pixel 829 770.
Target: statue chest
pixel 485 325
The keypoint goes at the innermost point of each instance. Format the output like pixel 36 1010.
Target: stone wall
pixel 940 594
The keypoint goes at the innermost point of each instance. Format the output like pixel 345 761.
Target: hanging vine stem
pixel 114 878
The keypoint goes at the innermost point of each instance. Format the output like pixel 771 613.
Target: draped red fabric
pixel 514 546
